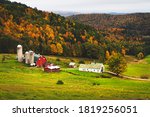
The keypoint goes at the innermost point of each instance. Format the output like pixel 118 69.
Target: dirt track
pixel 127 77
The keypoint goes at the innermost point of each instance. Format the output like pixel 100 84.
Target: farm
pixel 90 40
pixel 20 81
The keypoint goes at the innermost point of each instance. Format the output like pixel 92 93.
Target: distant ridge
pixel 66 13
pixel 71 13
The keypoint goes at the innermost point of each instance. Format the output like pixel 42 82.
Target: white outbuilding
pixel 93 67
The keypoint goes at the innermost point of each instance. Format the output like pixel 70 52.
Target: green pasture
pixel 138 68
pixel 19 81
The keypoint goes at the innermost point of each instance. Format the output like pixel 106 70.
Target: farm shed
pixel 93 67
pixel 72 65
pixel 51 68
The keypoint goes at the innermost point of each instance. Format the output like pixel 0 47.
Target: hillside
pixel 51 34
pixel 43 32
pixel 137 23
pixel 131 26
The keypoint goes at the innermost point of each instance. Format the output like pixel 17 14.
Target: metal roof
pixel 91 66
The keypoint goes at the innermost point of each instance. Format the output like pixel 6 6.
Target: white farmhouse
pixel 93 67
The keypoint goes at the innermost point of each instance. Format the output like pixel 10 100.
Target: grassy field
pixel 138 68
pixel 19 81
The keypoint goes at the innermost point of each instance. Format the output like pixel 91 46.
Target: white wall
pixel 90 70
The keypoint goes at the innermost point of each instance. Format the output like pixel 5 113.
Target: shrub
pixel 144 77
pixel 96 83
pixel 60 82
pixel 71 60
pixel 3 58
pixel 57 59
pixel 81 62
pixel 105 76
pixel 140 55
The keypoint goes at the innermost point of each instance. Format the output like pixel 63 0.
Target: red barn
pixel 41 61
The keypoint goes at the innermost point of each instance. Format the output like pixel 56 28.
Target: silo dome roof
pixel 19 46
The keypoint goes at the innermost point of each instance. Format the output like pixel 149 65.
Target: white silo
pixel 19 53
pixel 27 57
pixel 31 58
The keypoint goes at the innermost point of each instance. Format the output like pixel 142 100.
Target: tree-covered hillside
pixel 137 23
pixel 49 33
pixel 128 26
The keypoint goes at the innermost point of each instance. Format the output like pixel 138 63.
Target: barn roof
pixel 51 66
pixel 91 66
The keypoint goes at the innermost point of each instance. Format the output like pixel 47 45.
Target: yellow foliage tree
pixel 53 48
pixel 59 48
pixel 113 53
pixel 91 39
pixel 107 55
pixel 49 32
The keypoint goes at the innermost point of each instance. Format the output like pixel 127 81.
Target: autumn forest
pixel 51 34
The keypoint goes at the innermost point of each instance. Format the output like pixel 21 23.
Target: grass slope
pixel 18 81
pixel 138 68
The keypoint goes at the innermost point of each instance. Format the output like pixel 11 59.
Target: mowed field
pixel 19 81
pixel 138 68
